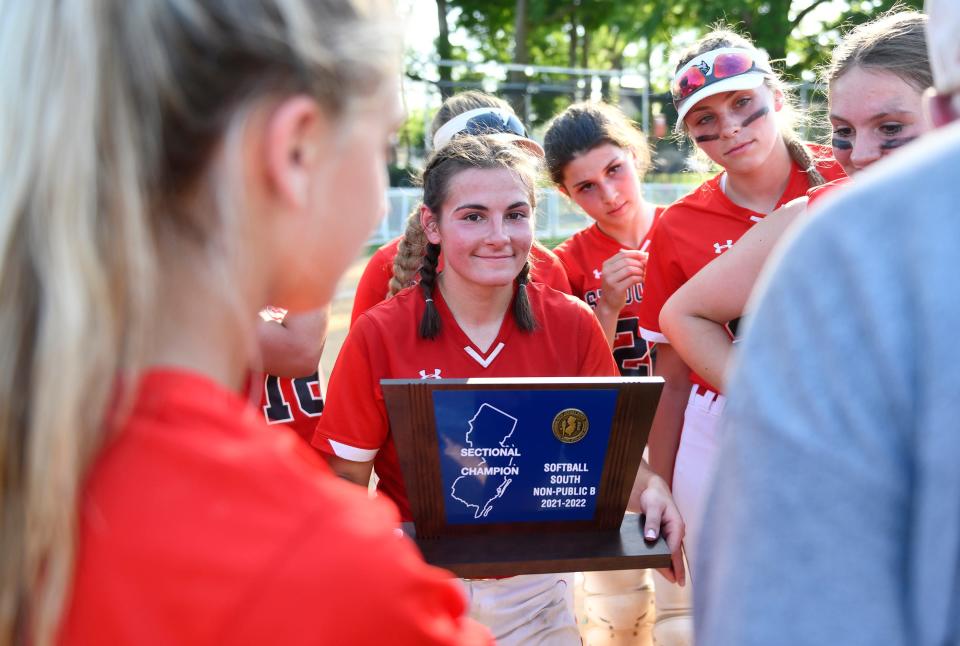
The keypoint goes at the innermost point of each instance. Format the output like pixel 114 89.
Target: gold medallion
pixel 570 425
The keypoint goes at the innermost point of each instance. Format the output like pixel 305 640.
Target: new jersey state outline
pixel 489 427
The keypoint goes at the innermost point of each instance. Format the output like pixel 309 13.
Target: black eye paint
pixel 841 144
pixel 892 144
pixel 704 138
pixel 759 114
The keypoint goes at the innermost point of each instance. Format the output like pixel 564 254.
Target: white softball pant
pixel 696 460
pixel 534 609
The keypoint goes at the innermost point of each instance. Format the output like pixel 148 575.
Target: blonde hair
pixel 722 36
pixel 406 264
pixel 110 115
pixel 896 42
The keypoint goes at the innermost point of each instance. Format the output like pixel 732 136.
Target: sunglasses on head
pixel 725 64
pixel 482 121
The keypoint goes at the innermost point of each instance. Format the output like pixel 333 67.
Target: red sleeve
pixel 596 359
pixel 375 281
pixel 664 277
pixel 572 270
pixel 354 422
pixel 819 192
pixel 546 268
pixel 347 577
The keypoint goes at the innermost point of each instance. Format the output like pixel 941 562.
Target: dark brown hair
pixel 584 126
pixel 455 157
pixel 410 252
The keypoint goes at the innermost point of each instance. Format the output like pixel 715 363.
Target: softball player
pixel 464 114
pixel 733 106
pixel 597 158
pixel 154 206
pixel 480 317
pixel 290 348
pixel 879 65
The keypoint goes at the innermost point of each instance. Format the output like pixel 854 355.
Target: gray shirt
pixel 835 517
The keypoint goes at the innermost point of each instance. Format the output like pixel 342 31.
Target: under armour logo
pixel 720 248
pixel 435 375
pixel 596 274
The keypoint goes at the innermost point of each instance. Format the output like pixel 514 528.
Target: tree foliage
pixel 596 33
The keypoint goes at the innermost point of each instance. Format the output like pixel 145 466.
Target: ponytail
pixel 803 158
pixel 76 269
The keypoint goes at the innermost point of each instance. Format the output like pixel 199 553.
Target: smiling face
pixel 485 227
pixel 737 130
pixel 873 113
pixel 604 182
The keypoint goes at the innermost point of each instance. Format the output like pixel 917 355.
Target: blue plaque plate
pixel 534 455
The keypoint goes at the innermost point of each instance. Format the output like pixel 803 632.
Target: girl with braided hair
pixel 396 264
pixel 480 317
pixel 737 112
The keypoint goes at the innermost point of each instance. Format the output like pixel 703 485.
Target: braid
pixel 406 264
pixel 522 311
pixel 802 156
pixel 430 323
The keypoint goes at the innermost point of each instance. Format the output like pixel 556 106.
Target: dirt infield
pixel 340 312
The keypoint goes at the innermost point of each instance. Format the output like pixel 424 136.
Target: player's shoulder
pixel 539 251
pixel 402 304
pixel 553 304
pixel 823 158
pixel 574 250
pixel 705 197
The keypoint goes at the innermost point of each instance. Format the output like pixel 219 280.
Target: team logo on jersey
pixel 426 375
pixel 597 273
pixel 720 248
pixel 570 425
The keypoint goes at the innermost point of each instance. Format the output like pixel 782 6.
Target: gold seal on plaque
pixel 570 425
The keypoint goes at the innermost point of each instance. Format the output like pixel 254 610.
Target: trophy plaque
pixel 524 475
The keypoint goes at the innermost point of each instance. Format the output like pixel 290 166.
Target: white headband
pixel 447 131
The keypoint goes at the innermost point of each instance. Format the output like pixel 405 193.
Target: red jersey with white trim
pixel 583 255
pixel 384 344
pixel 296 402
pixel 699 227
pixel 545 268
pixel 199 525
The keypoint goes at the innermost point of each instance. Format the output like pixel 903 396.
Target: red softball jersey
pixel 583 255
pixel 200 525
pixel 545 268
pixel 817 193
pixel 384 344
pixel 296 402
pixel 699 227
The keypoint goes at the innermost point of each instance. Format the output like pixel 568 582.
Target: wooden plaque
pixel 526 475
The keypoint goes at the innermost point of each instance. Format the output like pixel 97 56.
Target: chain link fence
pixel 557 216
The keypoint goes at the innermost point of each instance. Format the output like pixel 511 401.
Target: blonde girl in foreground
pixel 169 169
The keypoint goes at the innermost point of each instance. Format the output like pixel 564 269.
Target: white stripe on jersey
pixel 653 337
pixel 352 453
pixel 484 362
